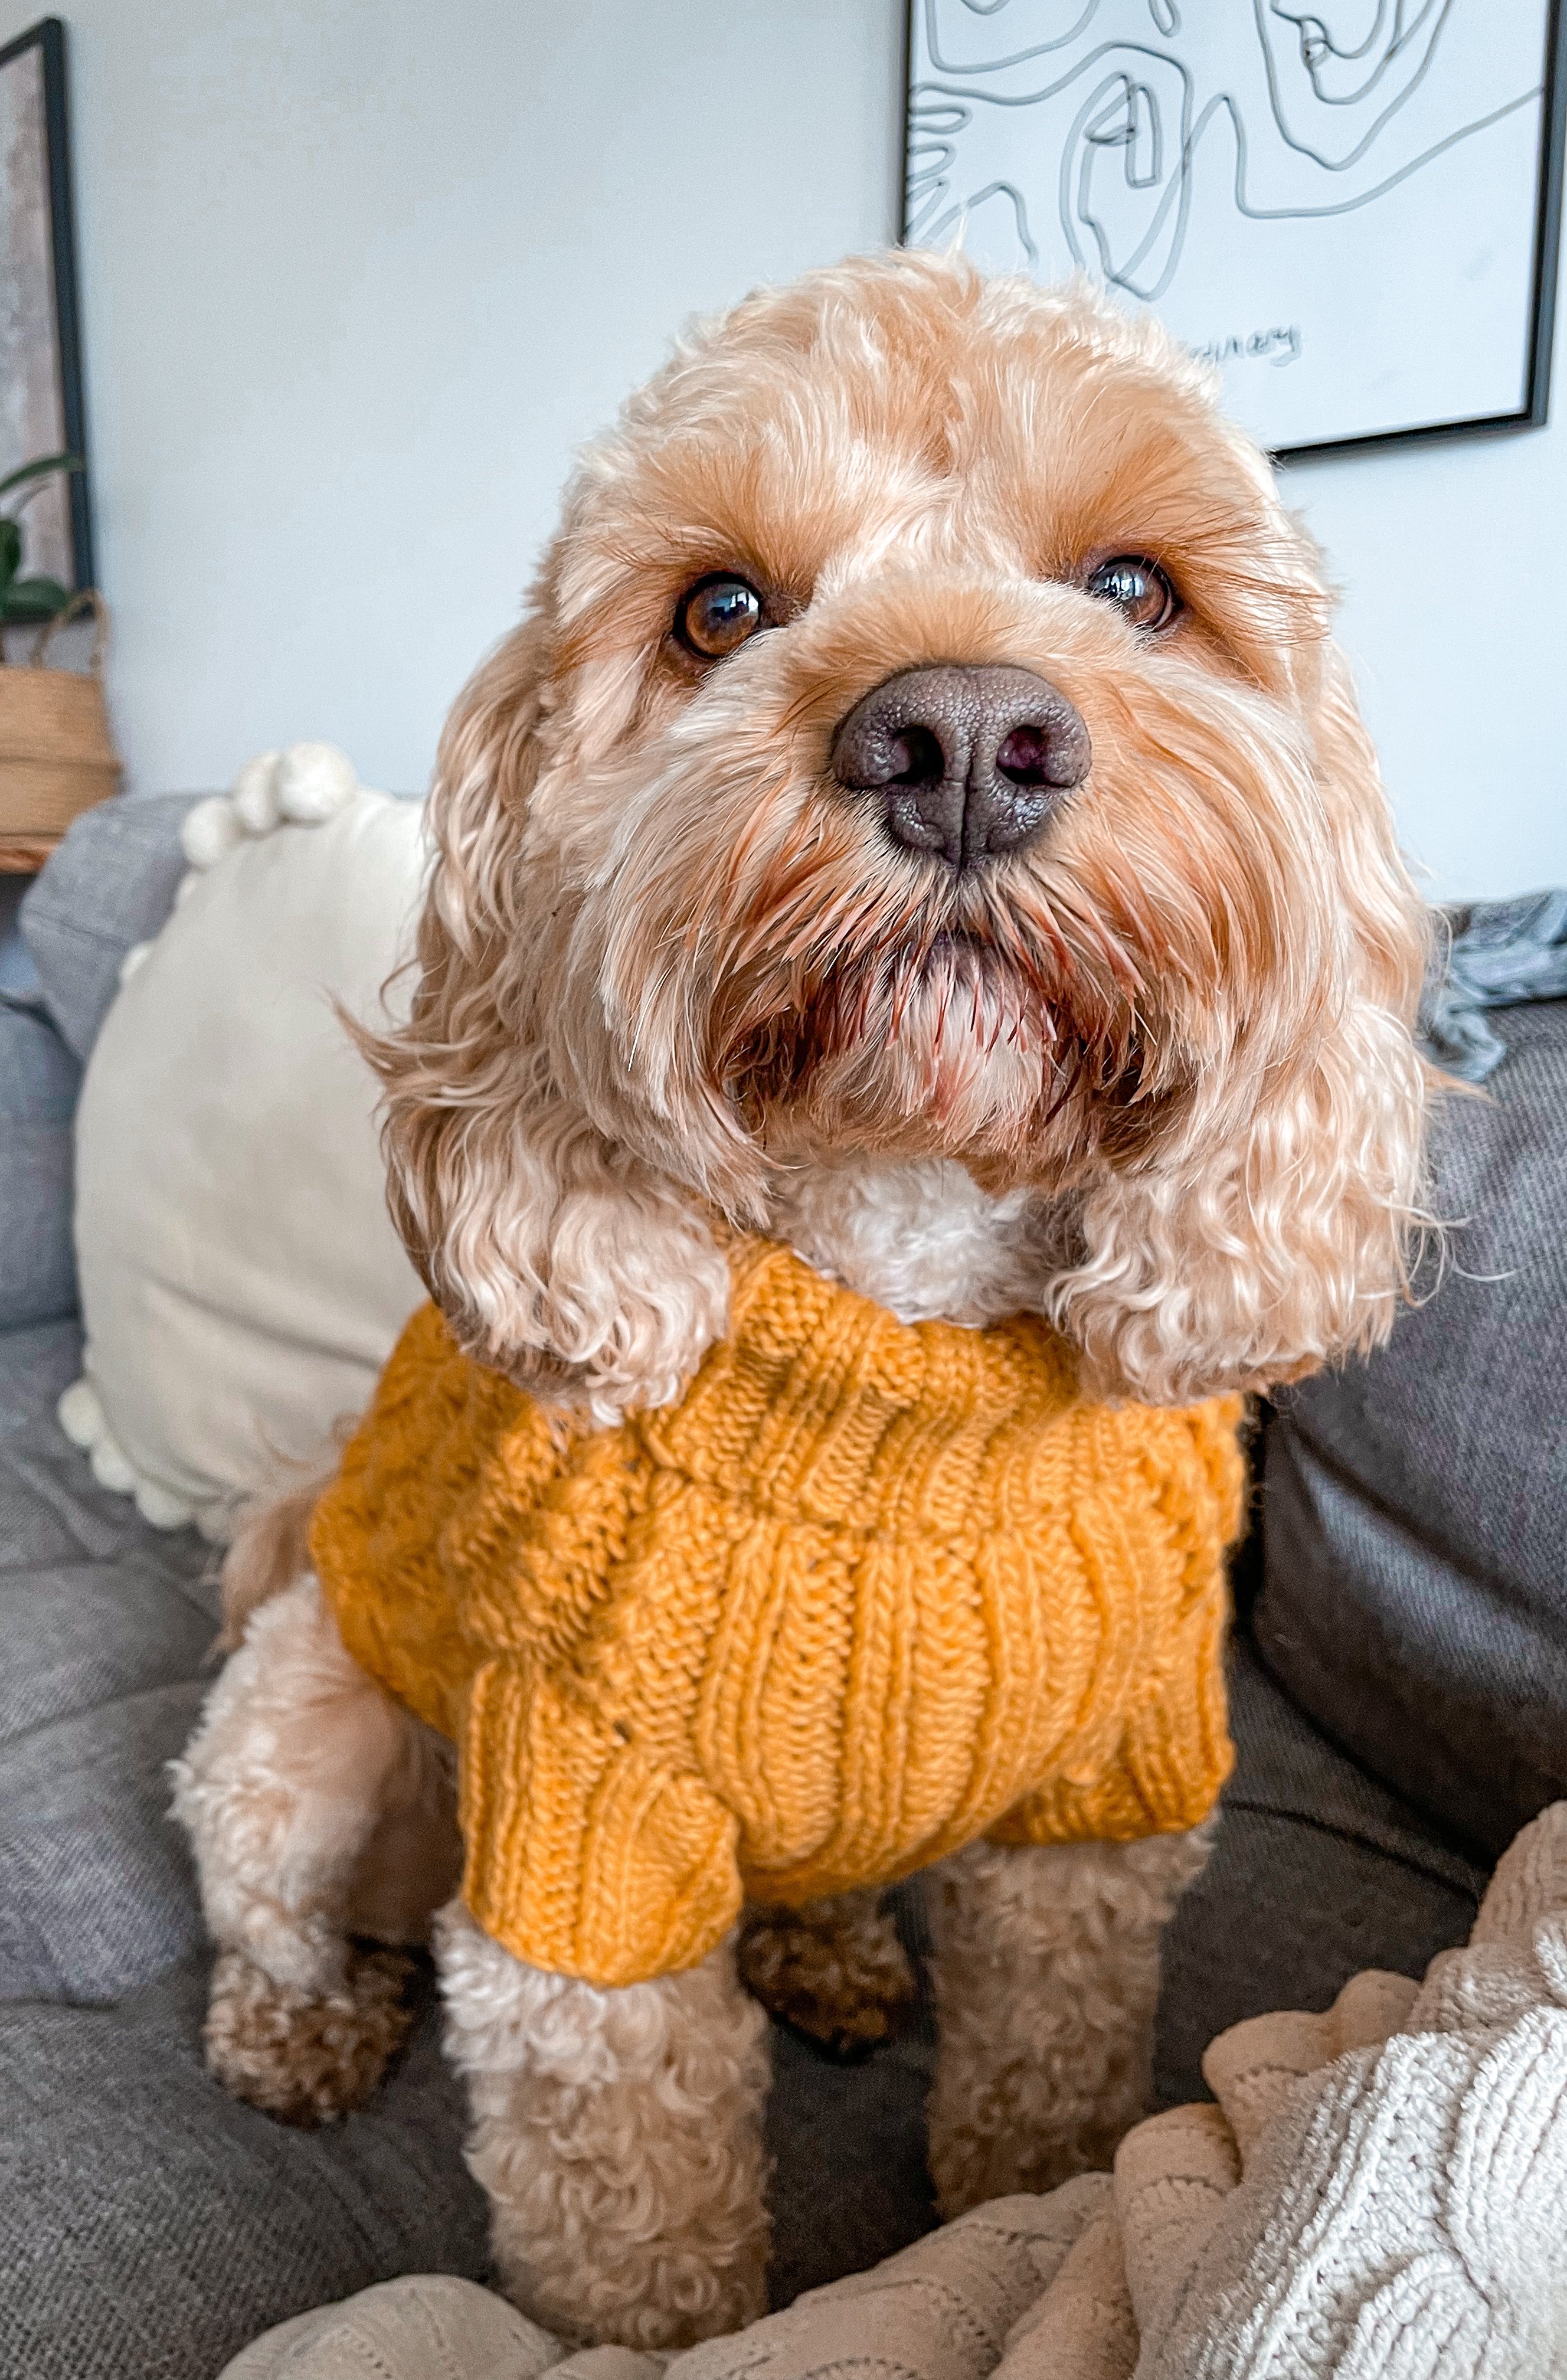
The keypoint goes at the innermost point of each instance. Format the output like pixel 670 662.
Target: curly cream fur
pixel 316 1806
pixel 1152 1075
pixel 618 2134
pixel 270 1548
pixel 1046 1969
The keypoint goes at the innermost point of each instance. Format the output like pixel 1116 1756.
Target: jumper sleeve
pixel 586 1854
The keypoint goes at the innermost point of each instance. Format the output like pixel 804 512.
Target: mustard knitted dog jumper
pixel 870 1591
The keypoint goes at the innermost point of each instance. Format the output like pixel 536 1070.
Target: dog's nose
pixel 969 762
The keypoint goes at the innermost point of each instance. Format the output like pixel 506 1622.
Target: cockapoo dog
pixel 922 821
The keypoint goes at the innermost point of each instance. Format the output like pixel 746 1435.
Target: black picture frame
pixel 48 36
pixel 1535 412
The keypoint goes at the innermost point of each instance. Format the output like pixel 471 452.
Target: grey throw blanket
pixel 1500 953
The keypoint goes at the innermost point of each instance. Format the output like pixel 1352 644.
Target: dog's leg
pixel 318 1808
pixel 618 2134
pixel 1046 1970
pixel 834 1969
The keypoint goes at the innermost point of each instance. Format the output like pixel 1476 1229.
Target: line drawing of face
pixel 1339 71
pixel 1337 130
pixel 1125 174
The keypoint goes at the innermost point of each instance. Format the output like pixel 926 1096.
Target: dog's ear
pixel 1278 1235
pixel 557 1257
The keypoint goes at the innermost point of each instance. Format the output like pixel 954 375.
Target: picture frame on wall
pixel 41 395
pixel 1351 207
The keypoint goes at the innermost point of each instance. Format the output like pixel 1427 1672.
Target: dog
pixel 922 824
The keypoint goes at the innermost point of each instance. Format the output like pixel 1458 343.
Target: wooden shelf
pixel 24 854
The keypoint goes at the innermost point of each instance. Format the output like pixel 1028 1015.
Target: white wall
pixel 359 273
pixel 1452 560
pixel 357 276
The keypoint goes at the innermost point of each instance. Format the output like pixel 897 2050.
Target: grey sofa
pixel 1399 1676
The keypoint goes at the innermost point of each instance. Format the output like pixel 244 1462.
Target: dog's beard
pixel 962 1025
pixel 774 984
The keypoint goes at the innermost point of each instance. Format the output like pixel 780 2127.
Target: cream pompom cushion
pixel 241 1282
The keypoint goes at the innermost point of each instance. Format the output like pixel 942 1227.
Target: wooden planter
pixel 55 754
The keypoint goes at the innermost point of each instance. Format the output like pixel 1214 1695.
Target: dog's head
pixel 924 739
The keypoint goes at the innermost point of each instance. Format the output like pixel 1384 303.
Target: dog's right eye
pixel 1139 589
pixel 717 615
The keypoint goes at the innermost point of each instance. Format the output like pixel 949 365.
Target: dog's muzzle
pixel 969 762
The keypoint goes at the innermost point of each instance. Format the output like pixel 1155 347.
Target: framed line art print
pixel 1352 207
pixel 40 405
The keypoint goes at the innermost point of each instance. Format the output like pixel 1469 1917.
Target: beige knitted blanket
pixel 1380 2193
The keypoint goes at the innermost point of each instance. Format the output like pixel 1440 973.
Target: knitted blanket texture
pixel 1380 2194
pixel 870 1591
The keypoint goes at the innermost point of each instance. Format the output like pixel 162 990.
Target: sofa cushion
pixel 39 1078
pixel 110 884
pixel 1415 1590
pixel 1319 1869
pixel 150 2225
pixel 241 1280
pixel 104 1624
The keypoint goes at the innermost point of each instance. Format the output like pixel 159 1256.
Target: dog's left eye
pixel 1138 587
pixel 717 615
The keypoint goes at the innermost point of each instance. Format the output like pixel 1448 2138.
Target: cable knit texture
pixel 870 1591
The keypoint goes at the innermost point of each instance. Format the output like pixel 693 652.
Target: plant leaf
pixel 39 470
pixel 10 550
pixel 33 599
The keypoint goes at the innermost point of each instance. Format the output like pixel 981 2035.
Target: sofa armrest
pixel 38 1080
pixel 110 884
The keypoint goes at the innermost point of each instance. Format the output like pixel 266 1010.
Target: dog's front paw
pixel 834 1970
pixel 307 2058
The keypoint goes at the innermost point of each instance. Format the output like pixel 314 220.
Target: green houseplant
pixel 28 601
